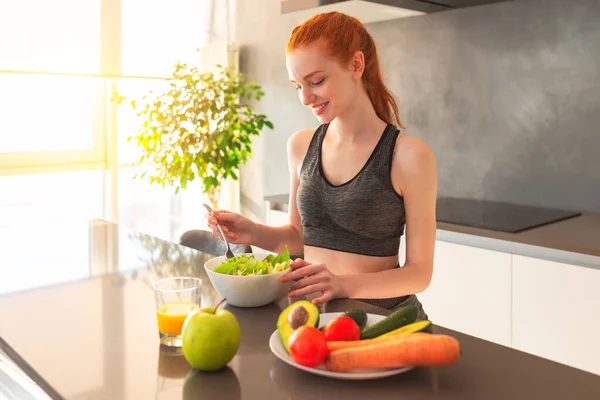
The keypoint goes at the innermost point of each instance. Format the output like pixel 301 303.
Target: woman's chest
pixel 367 206
pixel 340 166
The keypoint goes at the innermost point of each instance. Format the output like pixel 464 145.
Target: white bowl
pixel 246 291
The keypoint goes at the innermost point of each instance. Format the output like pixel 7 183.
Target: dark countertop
pixel 92 335
pixel 574 240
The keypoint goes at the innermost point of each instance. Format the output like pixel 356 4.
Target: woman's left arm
pixel 414 175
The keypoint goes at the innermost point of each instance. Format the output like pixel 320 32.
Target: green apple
pixel 210 338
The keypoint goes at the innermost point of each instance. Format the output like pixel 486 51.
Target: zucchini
pixel 397 319
pixel 359 316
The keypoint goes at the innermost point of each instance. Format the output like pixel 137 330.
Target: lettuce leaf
pixel 283 257
pixel 248 265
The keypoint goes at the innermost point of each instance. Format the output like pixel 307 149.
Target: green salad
pixel 248 265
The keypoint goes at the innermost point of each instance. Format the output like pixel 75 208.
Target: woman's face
pixel 323 85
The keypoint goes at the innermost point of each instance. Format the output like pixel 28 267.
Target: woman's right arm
pixel 274 238
pixel 240 229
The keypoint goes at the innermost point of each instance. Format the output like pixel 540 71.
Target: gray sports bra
pixel 364 215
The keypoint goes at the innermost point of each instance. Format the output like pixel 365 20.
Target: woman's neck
pixel 358 123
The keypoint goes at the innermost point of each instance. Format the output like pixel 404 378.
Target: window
pixel 50 36
pixel 63 143
pixel 33 121
pixel 156 33
pixel 157 211
pixel 47 119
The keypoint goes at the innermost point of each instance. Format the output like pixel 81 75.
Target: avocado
pixel 399 318
pixel 297 314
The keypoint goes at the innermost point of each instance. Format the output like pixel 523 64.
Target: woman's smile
pixel 320 109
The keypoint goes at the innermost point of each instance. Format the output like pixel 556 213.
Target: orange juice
pixel 171 316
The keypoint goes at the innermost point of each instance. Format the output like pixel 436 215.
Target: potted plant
pixel 200 127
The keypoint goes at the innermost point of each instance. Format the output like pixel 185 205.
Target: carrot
pixel 413 350
pixel 346 344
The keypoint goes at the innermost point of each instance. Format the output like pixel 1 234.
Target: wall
pixel 506 94
pixel 263 60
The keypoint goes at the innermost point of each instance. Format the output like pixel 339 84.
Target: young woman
pixel 356 181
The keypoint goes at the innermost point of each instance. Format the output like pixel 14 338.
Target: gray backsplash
pixel 507 95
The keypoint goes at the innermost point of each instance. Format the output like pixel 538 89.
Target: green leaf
pixel 197 127
pixel 283 257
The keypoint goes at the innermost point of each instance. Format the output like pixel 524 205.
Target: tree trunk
pixel 213 196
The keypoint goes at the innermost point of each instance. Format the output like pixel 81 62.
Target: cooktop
pixel 497 216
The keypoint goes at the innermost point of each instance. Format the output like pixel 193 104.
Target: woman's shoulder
pixel 407 145
pixel 413 157
pixel 298 143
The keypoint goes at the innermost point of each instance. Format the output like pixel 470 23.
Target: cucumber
pixel 359 316
pixel 397 319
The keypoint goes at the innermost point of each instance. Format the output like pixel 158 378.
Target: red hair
pixel 343 36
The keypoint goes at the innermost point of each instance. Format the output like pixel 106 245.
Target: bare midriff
pixel 340 262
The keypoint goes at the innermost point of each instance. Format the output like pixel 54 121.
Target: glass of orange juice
pixel 175 299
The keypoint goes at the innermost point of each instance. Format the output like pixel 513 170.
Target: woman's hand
pixel 237 228
pixel 313 278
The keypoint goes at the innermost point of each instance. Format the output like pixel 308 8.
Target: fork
pixel 228 253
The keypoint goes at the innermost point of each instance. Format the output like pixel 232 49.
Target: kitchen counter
pixel 573 241
pixel 93 335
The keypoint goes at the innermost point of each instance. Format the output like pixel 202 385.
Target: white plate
pixel 277 348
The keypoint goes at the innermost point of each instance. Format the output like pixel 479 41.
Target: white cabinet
pixel 556 312
pixel 470 291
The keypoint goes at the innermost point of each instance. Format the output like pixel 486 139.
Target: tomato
pixel 307 346
pixel 341 329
